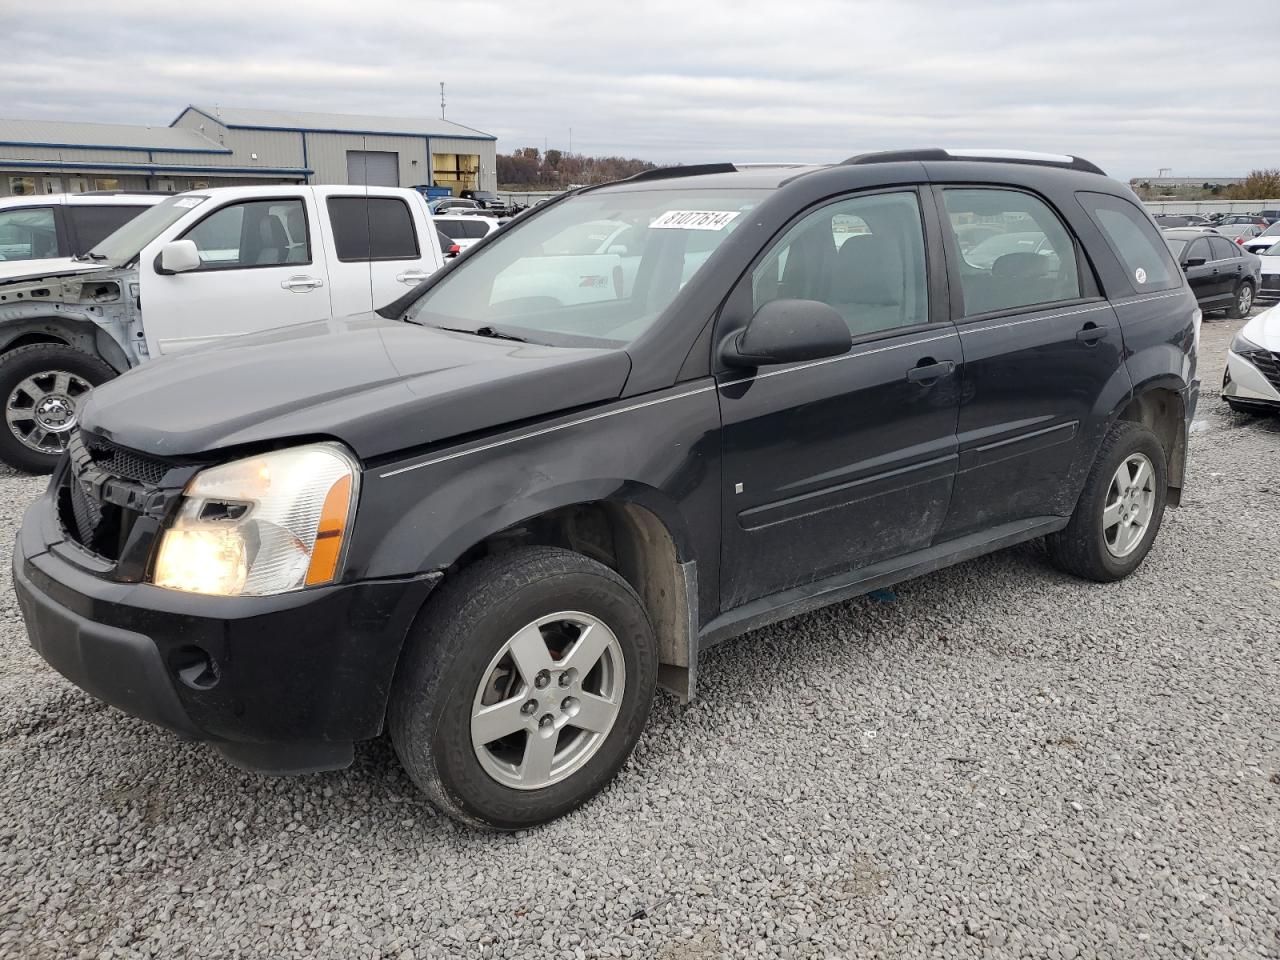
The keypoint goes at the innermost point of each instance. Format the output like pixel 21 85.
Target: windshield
pixel 596 268
pixel 1175 246
pixel 126 243
pixel 1271 231
pixel 1271 251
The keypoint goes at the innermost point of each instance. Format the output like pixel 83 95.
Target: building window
pixel 167 185
pixel 106 183
pixel 199 184
pixel 77 185
pixel 22 186
pixel 457 171
pixel 52 184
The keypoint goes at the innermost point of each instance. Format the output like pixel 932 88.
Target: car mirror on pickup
pixel 1195 262
pixel 786 331
pixel 178 256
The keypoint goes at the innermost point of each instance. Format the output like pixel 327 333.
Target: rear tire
pixel 1119 512
pixel 494 747
pixel 1243 301
pixel 42 387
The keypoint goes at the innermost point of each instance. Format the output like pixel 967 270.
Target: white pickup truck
pixel 193 269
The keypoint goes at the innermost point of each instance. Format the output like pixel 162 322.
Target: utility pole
pixel 441 99
pixel 571 140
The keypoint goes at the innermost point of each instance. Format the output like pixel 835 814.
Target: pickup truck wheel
pixel 1243 301
pixel 1119 512
pixel 43 386
pixel 524 687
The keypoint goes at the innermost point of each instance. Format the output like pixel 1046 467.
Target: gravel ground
pixel 995 761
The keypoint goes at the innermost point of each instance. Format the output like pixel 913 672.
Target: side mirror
pixel 786 331
pixel 178 256
pixel 1195 262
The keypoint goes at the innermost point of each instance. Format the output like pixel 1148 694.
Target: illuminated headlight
pixel 262 525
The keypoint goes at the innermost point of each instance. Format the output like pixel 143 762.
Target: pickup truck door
pixel 261 267
pixel 380 244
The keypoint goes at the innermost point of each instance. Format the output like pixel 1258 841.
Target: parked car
pixel 1244 220
pixel 1251 383
pixel 452 205
pixel 1239 233
pixel 1222 275
pixel 486 200
pixel 465 231
pixel 60 225
pixel 1271 216
pixel 193 269
pixel 494 526
pixel 1266 239
pixel 1269 289
pixel 1181 220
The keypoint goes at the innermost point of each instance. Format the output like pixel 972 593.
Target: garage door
pixel 373 168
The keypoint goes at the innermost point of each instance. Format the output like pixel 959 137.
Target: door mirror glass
pixel 1194 262
pixel 787 331
pixel 178 256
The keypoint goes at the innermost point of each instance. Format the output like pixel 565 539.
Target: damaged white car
pixel 193 269
pixel 1251 383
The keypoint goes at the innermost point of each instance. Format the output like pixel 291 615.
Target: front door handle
pixel 301 284
pixel 412 276
pixel 928 370
pixel 1091 333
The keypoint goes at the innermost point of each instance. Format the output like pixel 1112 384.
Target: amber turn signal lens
pixel 333 523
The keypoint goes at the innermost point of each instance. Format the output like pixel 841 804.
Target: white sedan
pixel 1252 381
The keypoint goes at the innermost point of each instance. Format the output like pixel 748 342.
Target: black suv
pixel 1222 274
pixel 647 417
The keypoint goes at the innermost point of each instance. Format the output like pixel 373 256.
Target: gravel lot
pixel 996 761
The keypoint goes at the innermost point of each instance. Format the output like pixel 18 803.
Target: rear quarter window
pixel 1135 241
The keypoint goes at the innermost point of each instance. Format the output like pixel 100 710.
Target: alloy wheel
pixel 1130 503
pixel 41 410
pixel 1245 303
pixel 547 700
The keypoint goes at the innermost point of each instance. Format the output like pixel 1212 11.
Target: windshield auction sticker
pixel 188 202
pixel 694 220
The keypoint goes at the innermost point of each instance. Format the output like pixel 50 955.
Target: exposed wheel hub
pixel 56 412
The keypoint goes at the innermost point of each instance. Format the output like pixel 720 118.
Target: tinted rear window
pixel 92 225
pixel 1135 240
pixel 372 228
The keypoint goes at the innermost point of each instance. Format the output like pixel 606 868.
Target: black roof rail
pixel 983 156
pixel 692 170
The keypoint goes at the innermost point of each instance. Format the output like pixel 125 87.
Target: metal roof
pixel 70 134
pixel 337 122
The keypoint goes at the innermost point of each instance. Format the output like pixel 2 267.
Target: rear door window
pixel 1134 240
pixel 373 228
pixel 92 224
pixel 1224 249
pixel 1200 250
pixel 1015 251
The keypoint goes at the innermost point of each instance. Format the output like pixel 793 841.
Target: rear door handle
pixel 1091 332
pixel 928 370
pixel 412 276
pixel 301 284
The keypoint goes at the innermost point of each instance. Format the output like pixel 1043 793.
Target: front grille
pixel 105 489
pixel 1268 365
pixel 122 462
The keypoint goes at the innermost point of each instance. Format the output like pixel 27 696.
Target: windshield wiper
pixel 486 331
pixel 90 256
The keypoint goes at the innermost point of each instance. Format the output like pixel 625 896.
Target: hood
pixel 1264 329
pixel 11 272
pixel 380 386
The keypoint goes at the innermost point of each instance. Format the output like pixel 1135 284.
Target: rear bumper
pixel 281 684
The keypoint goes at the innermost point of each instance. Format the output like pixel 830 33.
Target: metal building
pixel 222 146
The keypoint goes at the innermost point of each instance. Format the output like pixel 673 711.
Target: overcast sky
pixel 1133 86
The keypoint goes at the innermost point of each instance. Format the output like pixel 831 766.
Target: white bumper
pixel 1244 381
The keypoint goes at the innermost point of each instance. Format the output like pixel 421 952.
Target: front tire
pixel 523 688
pixel 1243 301
pixel 42 387
pixel 1119 512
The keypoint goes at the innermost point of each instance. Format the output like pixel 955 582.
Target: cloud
pixel 1133 86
